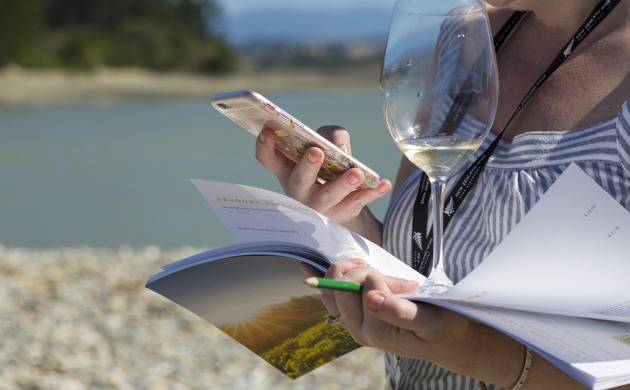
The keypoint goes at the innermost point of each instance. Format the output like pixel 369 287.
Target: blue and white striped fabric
pixel 514 179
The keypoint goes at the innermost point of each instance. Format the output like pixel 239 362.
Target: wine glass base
pixel 434 289
pixel 436 283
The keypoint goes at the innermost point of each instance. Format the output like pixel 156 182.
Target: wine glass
pixel 439 87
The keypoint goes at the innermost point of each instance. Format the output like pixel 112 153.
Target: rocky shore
pixel 19 87
pixel 81 318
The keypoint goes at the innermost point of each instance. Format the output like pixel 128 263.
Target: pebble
pixel 81 318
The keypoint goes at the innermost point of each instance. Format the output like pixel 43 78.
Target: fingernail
pixel 383 187
pixel 344 147
pixel 261 137
pixel 312 155
pixel 376 301
pixel 358 261
pixel 353 179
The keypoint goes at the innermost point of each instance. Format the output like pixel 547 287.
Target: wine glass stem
pixel 438 185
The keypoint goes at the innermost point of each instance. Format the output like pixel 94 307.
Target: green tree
pixel 21 25
pixel 158 34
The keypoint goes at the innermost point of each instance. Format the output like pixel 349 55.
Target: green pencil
pixel 332 284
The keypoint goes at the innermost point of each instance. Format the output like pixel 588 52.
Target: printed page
pixel 252 214
pixel 256 215
pixel 569 255
pixel 596 353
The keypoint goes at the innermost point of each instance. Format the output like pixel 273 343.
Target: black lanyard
pixel 422 244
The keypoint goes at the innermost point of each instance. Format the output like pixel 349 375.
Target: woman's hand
pixel 379 318
pixel 341 199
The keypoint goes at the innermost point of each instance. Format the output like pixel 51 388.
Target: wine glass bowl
pixel 439 88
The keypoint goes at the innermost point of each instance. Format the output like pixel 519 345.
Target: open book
pixel 558 282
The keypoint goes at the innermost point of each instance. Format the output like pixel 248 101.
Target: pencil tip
pixel 312 281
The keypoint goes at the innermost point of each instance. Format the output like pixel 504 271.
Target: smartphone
pixel 254 112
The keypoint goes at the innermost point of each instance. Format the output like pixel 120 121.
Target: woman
pixel 581 114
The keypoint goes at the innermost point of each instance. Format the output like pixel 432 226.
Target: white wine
pixel 438 156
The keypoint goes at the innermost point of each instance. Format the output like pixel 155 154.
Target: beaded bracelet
pixel 527 366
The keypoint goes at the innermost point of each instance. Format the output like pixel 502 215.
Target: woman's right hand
pixel 342 199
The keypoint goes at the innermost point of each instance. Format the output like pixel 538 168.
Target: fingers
pixel 301 181
pixel 350 305
pixel 270 157
pixel 390 284
pixel 337 271
pixel 301 177
pixel 395 312
pixel 427 322
pixel 333 192
pixel 338 136
pixel 309 270
pixel 341 199
pixel 297 180
pixel 380 318
pixel 382 302
pixel 392 309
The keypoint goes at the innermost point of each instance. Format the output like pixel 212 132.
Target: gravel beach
pixel 81 318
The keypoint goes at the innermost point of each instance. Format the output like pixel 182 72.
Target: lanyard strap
pixel 422 244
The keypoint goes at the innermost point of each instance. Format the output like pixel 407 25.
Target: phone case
pixel 254 112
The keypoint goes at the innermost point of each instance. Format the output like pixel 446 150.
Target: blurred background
pixel 105 115
pixel 104 118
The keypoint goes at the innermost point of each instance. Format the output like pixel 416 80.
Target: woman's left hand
pixel 379 318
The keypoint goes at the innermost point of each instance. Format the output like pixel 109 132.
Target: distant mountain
pixel 293 25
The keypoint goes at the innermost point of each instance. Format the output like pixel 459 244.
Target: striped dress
pixel 514 179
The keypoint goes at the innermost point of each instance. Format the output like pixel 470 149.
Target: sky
pixel 234 7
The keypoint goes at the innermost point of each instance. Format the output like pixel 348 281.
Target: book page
pixel 252 214
pixel 569 255
pixel 256 215
pixel 592 351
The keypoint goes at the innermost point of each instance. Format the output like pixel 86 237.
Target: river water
pixel 113 174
